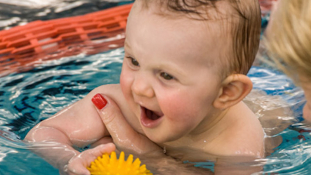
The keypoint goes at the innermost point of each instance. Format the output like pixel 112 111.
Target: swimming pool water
pixel 29 97
pixel 26 98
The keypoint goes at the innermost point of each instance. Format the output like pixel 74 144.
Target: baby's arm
pixel 78 125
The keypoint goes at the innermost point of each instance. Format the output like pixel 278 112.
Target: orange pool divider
pixel 23 46
pixel 266 6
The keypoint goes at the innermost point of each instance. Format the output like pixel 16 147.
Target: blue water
pixel 29 97
pixel 26 98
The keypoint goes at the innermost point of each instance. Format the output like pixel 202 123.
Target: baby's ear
pixel 234 88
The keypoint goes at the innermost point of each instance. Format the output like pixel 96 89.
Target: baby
pixel 182 84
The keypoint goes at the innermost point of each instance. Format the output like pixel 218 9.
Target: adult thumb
pixel 123 135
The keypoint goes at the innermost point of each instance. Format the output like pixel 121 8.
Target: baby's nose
pixel 142 87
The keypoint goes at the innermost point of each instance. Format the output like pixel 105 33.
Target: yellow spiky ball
pixel 110 165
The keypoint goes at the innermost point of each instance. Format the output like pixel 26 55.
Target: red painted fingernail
pixel 99 101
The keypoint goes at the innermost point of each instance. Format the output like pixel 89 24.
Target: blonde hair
pixel 289 38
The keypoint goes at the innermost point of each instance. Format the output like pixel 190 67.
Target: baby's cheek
pixel 125 83
pixel 178 108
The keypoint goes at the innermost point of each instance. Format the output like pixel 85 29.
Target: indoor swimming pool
pixel 47 86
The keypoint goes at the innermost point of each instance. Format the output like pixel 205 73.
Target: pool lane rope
pixel 38 41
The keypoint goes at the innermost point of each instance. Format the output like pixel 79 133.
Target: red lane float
pixel 23 46
pixel 266 6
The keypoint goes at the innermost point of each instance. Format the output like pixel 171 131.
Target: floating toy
pixel 110 165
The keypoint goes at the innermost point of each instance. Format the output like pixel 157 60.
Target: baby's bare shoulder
pixel 242 134
pixel 247 135
pixel 109 89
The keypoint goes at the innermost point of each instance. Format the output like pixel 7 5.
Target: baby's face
pixel 170 75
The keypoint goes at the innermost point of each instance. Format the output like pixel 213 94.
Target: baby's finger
pixel 91 154
pixel 77 165
pixel 100 150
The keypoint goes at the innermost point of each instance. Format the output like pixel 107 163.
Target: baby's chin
pixel 162 136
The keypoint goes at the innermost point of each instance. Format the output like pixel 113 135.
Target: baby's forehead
pixel 217 18
pixel 195 38
pixel 218 15
pixel 207 33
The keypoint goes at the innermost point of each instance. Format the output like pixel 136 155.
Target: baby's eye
pixel 134 62
pixel 166 76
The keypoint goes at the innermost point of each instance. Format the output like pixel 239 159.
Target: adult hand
pixel 123 135
pixel 77 165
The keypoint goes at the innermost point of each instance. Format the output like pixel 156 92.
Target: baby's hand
pixel 79 163
pixel 123 135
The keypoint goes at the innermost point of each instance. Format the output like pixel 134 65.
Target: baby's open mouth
pixel 151 115
pixel 150 118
